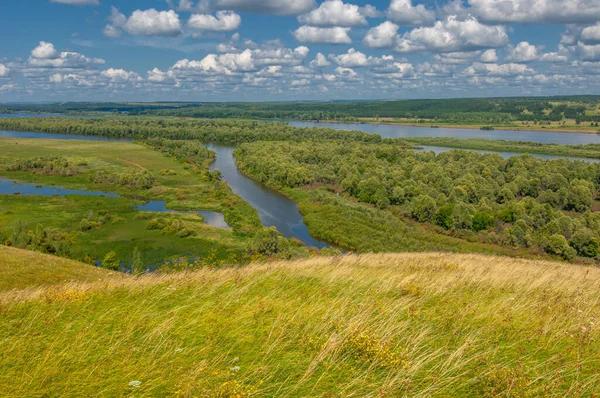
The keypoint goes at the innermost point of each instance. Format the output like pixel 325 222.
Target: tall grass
pixel 377 325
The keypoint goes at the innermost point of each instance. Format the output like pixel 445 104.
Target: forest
pixel 454 111
pixel 518 202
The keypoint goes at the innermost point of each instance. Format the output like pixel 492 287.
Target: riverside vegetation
pixel 419 325
pixel 364 193
pixel 109 229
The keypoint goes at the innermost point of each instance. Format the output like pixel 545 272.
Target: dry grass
pixel 414 325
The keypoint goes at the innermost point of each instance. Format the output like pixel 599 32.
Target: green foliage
pixel 137 263
pixel 131 179
pixel 111 261
pixel 268 242
pixel 585 243
pixel 517 201
pixel 46 165
pixel 557 245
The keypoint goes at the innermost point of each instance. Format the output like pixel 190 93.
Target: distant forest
pixel 467 110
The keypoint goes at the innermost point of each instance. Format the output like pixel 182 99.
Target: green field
pixel 117 226
pixel 419 325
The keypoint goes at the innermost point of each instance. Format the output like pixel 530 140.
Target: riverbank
pixel 382 122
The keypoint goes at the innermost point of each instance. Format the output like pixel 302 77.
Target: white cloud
pixel 46 56
pixel 404 13
pixel 456 58
pixel 158 76
pixel 497 70
pixel 334 13
pixel 120 75
pixel 44 51
pixel 225 21
pixel 523 52
pixel 536 11
pixel 554 57
pixel 382 36
pixel 77 2
pixel 489 57
pixel 588 52
pixel 311 34
pixel 346 73
pixel 246 61
pixel 320 61
pixel 591 34
pixel 357 59
pixel 277 7
pixel 398 70
pixel 4 70
pixel 452 35
pixel 147 23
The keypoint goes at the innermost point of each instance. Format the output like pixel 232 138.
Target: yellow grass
pixel 419 325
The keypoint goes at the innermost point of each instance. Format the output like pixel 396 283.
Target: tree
pixel 482 220
pixel 111 262
pixel 557 245
pixel 584 242
pixel 266 242
pixel 137 264
pixel 423 208
pixel 443 217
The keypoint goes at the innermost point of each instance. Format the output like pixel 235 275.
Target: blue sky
pixel 258 50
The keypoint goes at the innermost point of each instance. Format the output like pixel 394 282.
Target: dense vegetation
pixel 538 110
pixel 354 326
pixel 522 201
pixel 49 165
pixel 141 128
pixel 591 151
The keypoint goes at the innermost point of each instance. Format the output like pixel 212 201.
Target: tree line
pixel 522 201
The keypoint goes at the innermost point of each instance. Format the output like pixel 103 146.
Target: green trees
pixel 47 165
pixel 268 242
pixel 423 208
pixel 584 242
pixel 521 201
pixel 111 261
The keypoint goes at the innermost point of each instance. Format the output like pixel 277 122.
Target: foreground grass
pixel 353 326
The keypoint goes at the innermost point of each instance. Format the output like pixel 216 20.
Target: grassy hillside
pixel 354 326
pixel 21 268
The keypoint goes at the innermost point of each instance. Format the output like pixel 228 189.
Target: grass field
pixel 120 228
pixel 419 325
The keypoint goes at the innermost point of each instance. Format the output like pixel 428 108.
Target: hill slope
pixel 21 268
pixel 353 326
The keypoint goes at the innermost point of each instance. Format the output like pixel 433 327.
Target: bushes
pixel 269 242
pixel 170 227
pixel 46 165
pixel 50 241
pixel 131 179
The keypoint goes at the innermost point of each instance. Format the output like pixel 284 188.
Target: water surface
pixel 391 131
pixel 273 208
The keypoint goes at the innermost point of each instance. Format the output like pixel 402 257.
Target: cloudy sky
pixel 258 50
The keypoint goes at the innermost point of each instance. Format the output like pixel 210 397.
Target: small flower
pixel 235 369
pixel 135 383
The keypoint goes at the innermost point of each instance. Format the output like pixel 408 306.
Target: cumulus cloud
pixel 489 57
pixel 120 75
pixel 320 61
pixel 382 36
pixel 452 35
pixel 357 59
pixel 312 34
pixel 44 51
pixel 46 56
pixel 225 21
pixel 144 22
pixel 510 69
pixel 591 34
pixel 245 61
pixel 523 52
pixel 4 70
pixel 536 11
pixel 397 70
pixel 456 58
pixel 334 13
pixel 403 12
pixel 276 7
pixel 77 2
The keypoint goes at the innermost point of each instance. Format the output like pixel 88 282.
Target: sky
pixel 285 50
